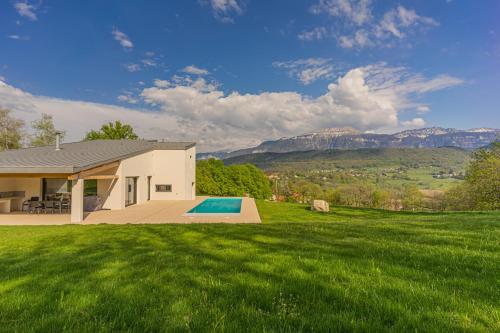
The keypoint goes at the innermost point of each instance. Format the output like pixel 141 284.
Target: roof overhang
pixel 104 171
pixel 70 170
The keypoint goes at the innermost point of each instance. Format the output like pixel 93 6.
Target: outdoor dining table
pixel 53 204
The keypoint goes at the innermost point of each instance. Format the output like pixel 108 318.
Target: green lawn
pixel 350 270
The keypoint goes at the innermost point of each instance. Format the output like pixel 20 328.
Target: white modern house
pixel 100 174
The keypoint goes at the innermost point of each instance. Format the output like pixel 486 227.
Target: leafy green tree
pixel 11 131
pixel 412 198
pixel 381 198
pixel 112 131
pixel 45 131
pixel 214 178
pixel 458 198
pixel 481 187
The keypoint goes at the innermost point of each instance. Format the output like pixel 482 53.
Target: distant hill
pixel 348 138
pixel 446 157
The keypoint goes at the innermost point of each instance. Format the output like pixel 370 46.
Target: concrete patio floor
pixel 152 212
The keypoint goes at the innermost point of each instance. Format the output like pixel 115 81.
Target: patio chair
pixel 48 206
pixel 57 206
pixel 65 205
pixel 35 207
pixel 26 206
pixel 27 203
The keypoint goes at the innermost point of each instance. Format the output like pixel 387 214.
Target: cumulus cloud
pixel 192 69
pixel 317 33
pixel 224 10
pixel 26 10
pixel 308 70
pixel 186 108
pixel 414 123
pixel 122 38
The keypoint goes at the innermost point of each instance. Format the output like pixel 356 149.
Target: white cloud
pixel 26 10
pixel 132 67
pixel 308 70
pixel 224 10
pixel 122 38
pixel 317 33
pixel 414 123
pixel 423 109
pixel 17 37
pixel 192 69
pixel 355 26
pixel 355 11
pixel 149 62
pixel 127 99
pixel 162 83
pixel 199 84
pixel 366 98
pixel 3 79
pixel 395 21
pixel 360 39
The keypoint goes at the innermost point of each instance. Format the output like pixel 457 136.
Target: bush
pixel 214 178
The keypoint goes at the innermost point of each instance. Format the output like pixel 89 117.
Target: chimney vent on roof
pixel 58 140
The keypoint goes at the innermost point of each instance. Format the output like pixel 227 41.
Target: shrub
pixel 214 178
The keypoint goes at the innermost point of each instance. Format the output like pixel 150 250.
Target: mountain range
pixel 349 138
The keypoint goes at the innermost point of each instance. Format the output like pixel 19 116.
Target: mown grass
pixel 349 270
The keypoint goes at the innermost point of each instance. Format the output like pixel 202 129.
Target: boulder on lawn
pixel 320 206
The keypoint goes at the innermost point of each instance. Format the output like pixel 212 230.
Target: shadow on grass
pixel 299 277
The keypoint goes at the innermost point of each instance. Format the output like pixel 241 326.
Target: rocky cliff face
pixel 348 138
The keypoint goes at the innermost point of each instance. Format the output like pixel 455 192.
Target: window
pixel 163 188
pixel 90 187
pixel 54 186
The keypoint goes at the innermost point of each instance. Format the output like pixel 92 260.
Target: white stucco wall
pixel 176 168
pixel 166 167
pixel 6 184
pixel 31 186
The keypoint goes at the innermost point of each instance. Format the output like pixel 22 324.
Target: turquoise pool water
pixel 218 206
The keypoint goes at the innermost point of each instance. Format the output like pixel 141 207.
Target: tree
pixel 481 187
pixel 11 133
pixel 214 178
pixel 45 132
pixel 112 131
pixel 412 198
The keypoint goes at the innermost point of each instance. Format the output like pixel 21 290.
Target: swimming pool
pixel 217 206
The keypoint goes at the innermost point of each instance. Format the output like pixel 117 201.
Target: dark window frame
pixel 163 187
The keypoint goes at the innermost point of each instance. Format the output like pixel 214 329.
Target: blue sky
pixel 229 73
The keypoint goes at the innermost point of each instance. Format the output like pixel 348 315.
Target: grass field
pixel 350 270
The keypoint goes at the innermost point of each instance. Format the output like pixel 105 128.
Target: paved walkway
pixel 152 212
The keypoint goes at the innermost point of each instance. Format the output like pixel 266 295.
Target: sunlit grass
pixel 350 270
